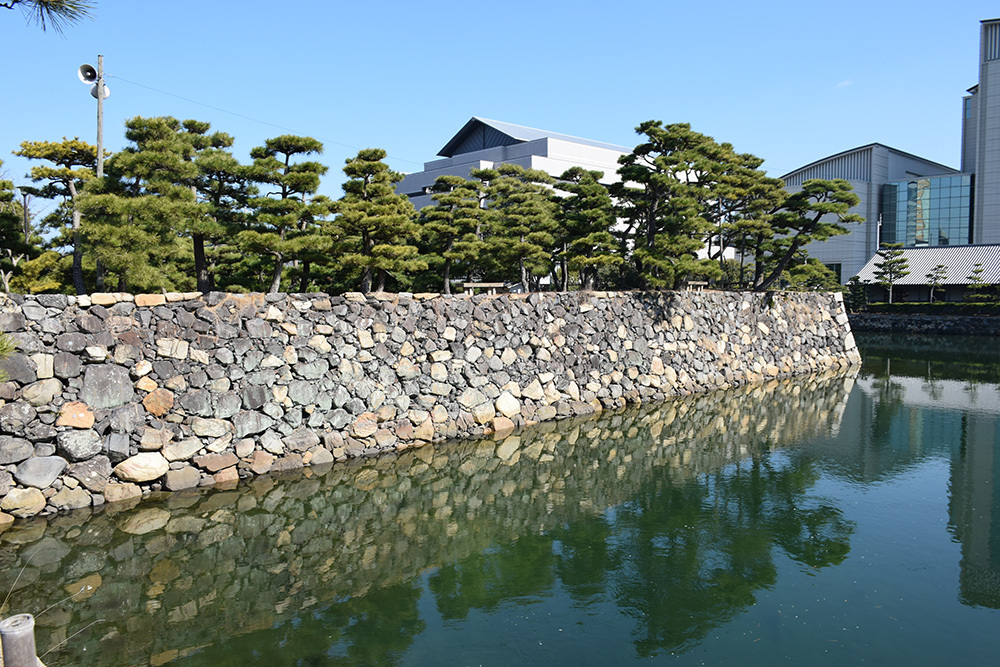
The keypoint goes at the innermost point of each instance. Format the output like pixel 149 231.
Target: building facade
pixel 483 144
pixel 919 203
pixel 867 168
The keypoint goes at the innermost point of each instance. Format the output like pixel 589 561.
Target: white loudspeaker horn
pixel 93 92
pixel 87 73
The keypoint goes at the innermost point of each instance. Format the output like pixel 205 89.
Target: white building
pixel 485 144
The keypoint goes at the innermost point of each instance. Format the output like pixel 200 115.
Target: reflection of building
pixel 909 200
pixel 485 144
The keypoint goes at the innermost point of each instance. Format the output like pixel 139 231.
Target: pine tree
pixel 892 267
pixel 521 219
pixel 976 283
pixel 450 228
pixel 285 222
pixel 376 224
pixel 936 278
pixel 74 162
pixel 585 217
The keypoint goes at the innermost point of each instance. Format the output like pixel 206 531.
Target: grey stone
pixel 71 342
pixel 197 402
pixel 106 386
pixel 302 392
pixel 184 478
pixel 117 447
pixel 257 328
pixel 338 418
pixel 93 474
pixel 313 370
pixel 14 450
pixel 18 368
pixel 53 300
pixel 15 416
pixel 42 392
pixel 6 482
pixel 227 405
pixel 89 323
pixel 128 418
pixel 251 422
pixel 66 365
pixel 254 397
pixel 11 322
pixel 33 311
pixel 79 445
pixel 300 439
pixel 40 471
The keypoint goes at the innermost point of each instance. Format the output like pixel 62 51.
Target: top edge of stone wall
pixel 214 298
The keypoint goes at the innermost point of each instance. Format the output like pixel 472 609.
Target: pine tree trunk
pixel 99 273
pixel 447 277
pixel 279 265
pixel 204 281
pixel 304 280
pixel 78 284
pixel 381 281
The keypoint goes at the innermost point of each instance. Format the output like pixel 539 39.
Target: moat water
pixel 839 519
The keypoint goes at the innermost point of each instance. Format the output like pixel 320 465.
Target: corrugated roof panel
pixel 959 260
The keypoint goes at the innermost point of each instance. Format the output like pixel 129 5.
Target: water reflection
pixel 673 513
pixel 939 396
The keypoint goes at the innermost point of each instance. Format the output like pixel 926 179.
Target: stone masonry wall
pixel 951 325
pixel 111 396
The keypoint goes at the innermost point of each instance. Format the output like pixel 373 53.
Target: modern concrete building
pixel 907 199
pixel 484 143
pixel 867 168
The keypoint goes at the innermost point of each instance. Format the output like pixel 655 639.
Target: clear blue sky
pixel 791 82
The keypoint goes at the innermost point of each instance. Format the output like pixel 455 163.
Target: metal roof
pixel 946 169
pixel 959 260
pixel 498 133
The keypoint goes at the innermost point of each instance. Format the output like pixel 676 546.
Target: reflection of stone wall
pixel 196 568
pixel 112 396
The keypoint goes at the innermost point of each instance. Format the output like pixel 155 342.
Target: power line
pixel 250 118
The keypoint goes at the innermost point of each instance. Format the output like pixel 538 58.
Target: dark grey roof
pixel 959 259
pixel 480 133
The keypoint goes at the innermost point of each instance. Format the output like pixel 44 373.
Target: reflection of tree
pixel 681 557
pixel 890 402
pixel 695 554
pixel 371 629
pixel 485 580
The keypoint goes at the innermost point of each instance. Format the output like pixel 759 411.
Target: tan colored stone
pixel 116 493
pixel 424 431
pixel 182 450
pixel 103 299
pixel 75 414
pixel 227 477
pixel 172 347
pixel 71 498
pixel 154 439
pixel 146 384
pixel 23 503
pixel 42 392
pixel 261 463
pixel 150 300
pixel 143 467
pixel 159 402
pixel 507 405
pixel 365 425
pixel 44 365
pixel 84 588
pixel 216 462
pixel 502 426
pixel 199 356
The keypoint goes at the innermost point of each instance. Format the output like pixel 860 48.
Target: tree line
pixel 176 210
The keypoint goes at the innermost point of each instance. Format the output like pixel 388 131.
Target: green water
pixel 828 520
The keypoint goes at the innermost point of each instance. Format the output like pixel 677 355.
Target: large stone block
pixel 106 386
pixel 40 471
pixel 143 467
pixel 79 445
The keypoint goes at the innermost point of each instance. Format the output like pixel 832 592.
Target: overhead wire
pixel 249 118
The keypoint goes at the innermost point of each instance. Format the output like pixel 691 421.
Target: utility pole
pixel 100 116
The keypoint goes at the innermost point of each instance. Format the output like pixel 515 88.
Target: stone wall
pixel 112 396
pixel 952 325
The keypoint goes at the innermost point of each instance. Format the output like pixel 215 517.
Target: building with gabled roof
pixel 483 144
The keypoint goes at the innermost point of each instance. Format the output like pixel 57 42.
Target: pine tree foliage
pixel 520 218
pixel 584 219
pixel 376 225
pixel 450 229
pixel 936 278
pixel 59 14
pixel 72 165
pixel 285 226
